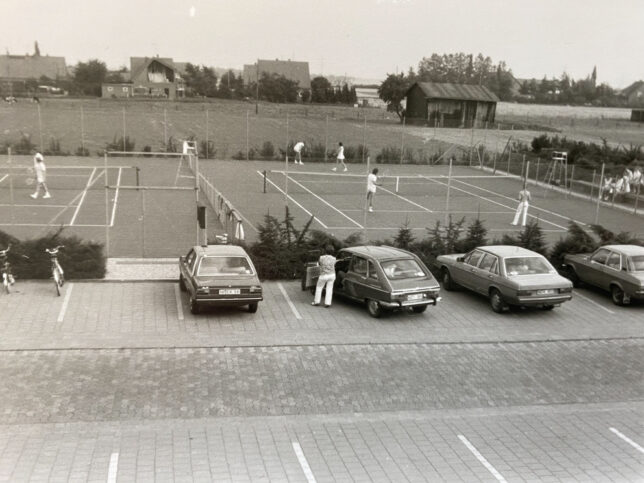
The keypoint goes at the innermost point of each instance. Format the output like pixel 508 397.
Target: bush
pixel 81 151
pixel 24 146
pixel 79 259
pixel 268 150
pixel 207 150
pixel 120 144
pixel 54 148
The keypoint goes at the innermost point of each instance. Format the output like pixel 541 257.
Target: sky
pixel 357 38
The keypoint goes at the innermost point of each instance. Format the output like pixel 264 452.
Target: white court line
pixel 4 177
pixel 628 440
pixel 303 463
pixel 577 294
pixel 512 209
pixel 325 202
pixel 531 206
pixel 520 228
pixel 177 297
pixel 113 468
pixel 481 458
pixel 80 203
pixel 407 200
pixel 71 203
pixel 291 198
pixel 116 197
pixel 289 302
pixel 63 309
pixel 33 205
pixel 49 224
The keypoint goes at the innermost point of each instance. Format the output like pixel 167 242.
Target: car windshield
pixel 399 269
pixel 636 263
pixel 527 266
pixel 222 266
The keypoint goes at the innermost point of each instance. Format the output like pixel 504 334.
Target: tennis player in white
pixel 41 176
pixel 339 158
pixel 298 152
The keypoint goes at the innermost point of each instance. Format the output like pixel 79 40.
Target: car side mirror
pixel 460 259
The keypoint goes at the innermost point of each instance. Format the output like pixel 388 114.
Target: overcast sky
pixel 362 38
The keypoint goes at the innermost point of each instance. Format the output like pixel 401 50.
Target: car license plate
pixel 548 291
pixel 415 296
pixel 229 291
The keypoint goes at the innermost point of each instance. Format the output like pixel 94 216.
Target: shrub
pixel 54 148
pixel 24 146
pixel 268 150
pixel 207 150
pixel 79 259
pixel 81 151
pixel 120 144
pixel 404 238
pixel 576 241
pixel 171 145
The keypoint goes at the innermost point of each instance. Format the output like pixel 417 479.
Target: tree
pixel 201 81
pixel 393 90
pixel 88 77
pixel 36 49
pixel 319 89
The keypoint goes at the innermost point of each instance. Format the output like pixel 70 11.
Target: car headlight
pixel 203 290
pixel 565 290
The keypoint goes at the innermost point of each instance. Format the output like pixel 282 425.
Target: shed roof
pixel 32 66
pixel 139 64
pixel 447 90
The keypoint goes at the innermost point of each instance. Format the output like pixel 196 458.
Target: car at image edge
pixel 507 275
pixel 619 269
pixel 219 275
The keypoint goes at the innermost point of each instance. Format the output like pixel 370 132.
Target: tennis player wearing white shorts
pixel 41 175
pixel 372 182
pixel 298 152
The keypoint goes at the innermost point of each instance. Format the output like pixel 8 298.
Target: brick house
pixel 292 70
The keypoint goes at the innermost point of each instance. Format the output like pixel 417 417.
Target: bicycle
pixel 7 277
pixel 56 270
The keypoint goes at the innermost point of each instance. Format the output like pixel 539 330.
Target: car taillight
pixel 203 290
pixel 255 289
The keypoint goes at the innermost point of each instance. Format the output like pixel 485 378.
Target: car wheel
pixel 252 308
pixel 419 309
pixel 446 278
pixel 548 307
pixel 374 308
pixel 496 301
pixel 194 306
pixel 182 283
pixel 617 295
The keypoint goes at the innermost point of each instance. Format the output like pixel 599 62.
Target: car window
pixel 473 258
pixel 636 263
pixel 600 256
pixel 527 266
pixel 495 267
pixel 487 262
pixel 224 266
pixel 359 266
pixel 614 261
pixel 373 273
pixel 190 259
pixel 343 260
pixel 401 269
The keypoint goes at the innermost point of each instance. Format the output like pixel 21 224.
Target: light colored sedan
pixel 507 275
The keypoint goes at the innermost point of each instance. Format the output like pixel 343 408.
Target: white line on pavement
pixel 288 301
pixel 113 468
pixel 481 458
pixel 116 197
pixel 63 309
pixel 303 463
pixel 80 203
pixel 407 200
pixel 4 177
pixel 177 296
pixel 577 294
pixel 628 440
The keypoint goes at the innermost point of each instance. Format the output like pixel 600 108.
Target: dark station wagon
pixel 618 269
pixel 385 278
pixel 219 275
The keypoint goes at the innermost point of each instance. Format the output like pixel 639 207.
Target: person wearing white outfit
pixel 339 159
pixel 41 175
pixel 327 278
pixel 298 152
pixel 524 202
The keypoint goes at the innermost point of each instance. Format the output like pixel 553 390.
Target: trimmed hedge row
pixel 79 259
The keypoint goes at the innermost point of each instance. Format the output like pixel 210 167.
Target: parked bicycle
pixel 7 277
pixel 56 270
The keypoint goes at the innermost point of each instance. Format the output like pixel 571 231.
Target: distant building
pixel 634 94
pixel 295 71
pixel 450 105
pixel 155 77
pixel 637 115
pixel 16 70
pixel 368 97
pixel 124 89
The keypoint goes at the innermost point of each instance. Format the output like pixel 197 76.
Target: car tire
pixel 446 278
pixel 194 306
pixel 617 294
pixel 182 283
pixel 252 308
pixel 496 301
pixel 374 308
pixel 419 309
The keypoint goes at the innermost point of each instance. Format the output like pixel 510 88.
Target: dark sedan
pixel 619 269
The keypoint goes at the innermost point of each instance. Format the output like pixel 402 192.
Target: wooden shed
pixel 450 105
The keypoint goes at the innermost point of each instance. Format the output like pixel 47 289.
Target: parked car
pixel 616 268
pixel 507 275
pixel 384 278
pixel 219 275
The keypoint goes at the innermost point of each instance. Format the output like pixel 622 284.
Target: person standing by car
pixel 327 277
pixel 524 202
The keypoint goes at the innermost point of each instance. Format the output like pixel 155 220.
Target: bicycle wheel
pixel 57 282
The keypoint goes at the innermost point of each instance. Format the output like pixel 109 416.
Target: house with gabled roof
pixel 16 70
pixel 292 70
pixel 155 77
pixel 634 94
pixel 450 105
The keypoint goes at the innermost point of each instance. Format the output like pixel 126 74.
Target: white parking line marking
pixel 303 463
pixel 481 458
pixel 177 296
pixel 63 309
pixel 113 468
pixel 628 440
pixel 289 302
pixel 577 294
pixel 4 177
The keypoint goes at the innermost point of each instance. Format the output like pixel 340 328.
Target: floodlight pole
pixel 82 126
pixel 257 90
pixel 599 192
pixel 449 185
pixel 10 184
pixel 42 148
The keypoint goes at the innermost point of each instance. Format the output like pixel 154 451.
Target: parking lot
pixel 118 378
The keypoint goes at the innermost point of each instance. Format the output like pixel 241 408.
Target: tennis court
pixel 418 195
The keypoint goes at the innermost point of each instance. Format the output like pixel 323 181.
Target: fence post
pixel 509 157
pixel 572 176
pixel 599 194
pixel 207 132
pixel 286 164
pixel 10 184
pixel 449 185
pixel 107 208
pixel 471 144
pixel 82 126
pixel 247 134
pixel 143 222
pixel 42 147
pixel 165 129
pixel 366 207
pixel 124 134
pixel 523 166
pixel 536 175
pixel 494 163
pixel 326 138
pixel 402 140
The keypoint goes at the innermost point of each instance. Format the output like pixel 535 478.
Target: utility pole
pixel 257 90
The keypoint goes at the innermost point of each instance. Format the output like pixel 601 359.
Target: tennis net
pixel 76 178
